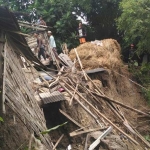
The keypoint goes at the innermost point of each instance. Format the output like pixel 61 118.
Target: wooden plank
pixel 121 104
pixel 66 59
pixel 32 27
pixel 98 112
pixel 74 133
pixel 70 103
pixel 80 64
pixel 86 142
pixel 66 115
pixel 20 97
pixel 4 78
pixel 95 143
pixel 58 141
pixel 2 40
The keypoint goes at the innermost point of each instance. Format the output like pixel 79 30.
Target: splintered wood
pixel 93 102
pixel 19 97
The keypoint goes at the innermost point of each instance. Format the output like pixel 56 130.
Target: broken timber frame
pixel 98 112
pixel 121 104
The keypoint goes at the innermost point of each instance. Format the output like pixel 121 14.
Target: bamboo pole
pixel 58 141
pixel 80 64
pixel 100 114
pixel 86 142
pixel 82 105
pixel 121 104
pixel 113 108
pixel 95 85
pixel 75 122
pixel 73 95
pixel 74 133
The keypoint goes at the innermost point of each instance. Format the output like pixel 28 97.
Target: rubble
pixel 92 109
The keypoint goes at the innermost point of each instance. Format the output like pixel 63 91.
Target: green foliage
pixel 146 94
pixel 54 128
pixel 100 14
pixel 147 137
pixel 59 15
pixel 25 30
pixel 134 22
pixel 1 119
pixel 142 75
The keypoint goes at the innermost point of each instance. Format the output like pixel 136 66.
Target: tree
pixel 58 15
pixel 62 16
pixel 134 22
pixel 102 18
pixel 100 14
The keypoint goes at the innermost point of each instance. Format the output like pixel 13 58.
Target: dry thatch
pixel 105 53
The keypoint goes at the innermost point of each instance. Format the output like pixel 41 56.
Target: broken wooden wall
pixel 18 96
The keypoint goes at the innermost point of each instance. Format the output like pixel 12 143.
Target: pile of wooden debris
pixel 103 121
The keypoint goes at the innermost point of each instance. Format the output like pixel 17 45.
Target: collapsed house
pixel 93 93
pixel 22 114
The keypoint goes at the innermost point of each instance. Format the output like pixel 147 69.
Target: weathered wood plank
pixel 95 143
pixel 2 40
pixel 58 141
pixel 74 133
pixel 66 115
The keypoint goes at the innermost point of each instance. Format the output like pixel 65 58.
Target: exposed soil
pixel 13 133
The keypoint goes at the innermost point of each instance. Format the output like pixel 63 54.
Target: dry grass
pixel 105 53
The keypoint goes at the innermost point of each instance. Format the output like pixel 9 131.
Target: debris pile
pixel 104 53
pixel 104 106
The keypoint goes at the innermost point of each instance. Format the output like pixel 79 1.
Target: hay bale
pixel 104 53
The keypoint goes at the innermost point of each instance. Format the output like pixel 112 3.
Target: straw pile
pixel 96 54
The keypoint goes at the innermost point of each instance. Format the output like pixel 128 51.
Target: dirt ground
pixel 14 135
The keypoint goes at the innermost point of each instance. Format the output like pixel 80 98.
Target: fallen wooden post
pixel 81 128
pixel 58 141
pixel 73 95
pixel 95 85
pixel 80 64
pixel 101 115
pixel 66 115
pixel 86 142
pixel 74 133
pixel 95 143
pixel 82 105
pixel 121 104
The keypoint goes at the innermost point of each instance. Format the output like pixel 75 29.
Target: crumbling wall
pixel 18 96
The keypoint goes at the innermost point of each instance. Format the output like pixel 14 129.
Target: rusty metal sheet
pixel 48 97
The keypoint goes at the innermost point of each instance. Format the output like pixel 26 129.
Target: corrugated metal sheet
pixel 95 70
pixel 51 97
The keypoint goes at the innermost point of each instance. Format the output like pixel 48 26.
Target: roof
pixel 9 25
pixel 51 97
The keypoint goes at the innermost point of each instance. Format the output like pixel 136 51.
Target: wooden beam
pixel 58 141
pixel 33 27
pixel 70 103
pixel 86 142
pixel 119 103
pixel 74 133
pixel 2 42
pixel 96 142
pixel 80 64
pixel 66 115
pixel 98 112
